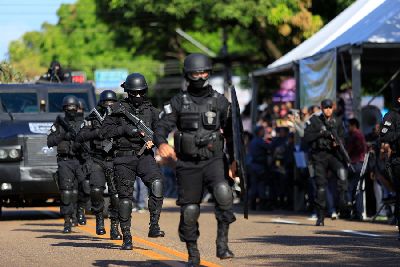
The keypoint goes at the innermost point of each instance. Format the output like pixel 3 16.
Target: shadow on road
pixel 103 245
pixel 149 263
pixel 332 247
pixel 28 215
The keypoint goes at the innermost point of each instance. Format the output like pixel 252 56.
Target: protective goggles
pixel 137 92
pixel 71 107
pixel 195 76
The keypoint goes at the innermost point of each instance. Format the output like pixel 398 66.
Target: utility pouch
pixel 187 144
pixel 177 141
pixel 189 121
pixel 63 148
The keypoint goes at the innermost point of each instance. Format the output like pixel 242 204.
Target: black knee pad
pixel 321 191
pixel 66 197
pixel 190 213
pixel 157 188
pixel 86 186
pixel 96 194
pixel 125 209
pixel 75 195
pixel 114 201
pixel 342 174
pixel 223 195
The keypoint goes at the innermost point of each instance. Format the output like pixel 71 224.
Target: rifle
pixel 342 149
pixel 239 151
pixel 109 143
pixel 67 127
pixel 142 127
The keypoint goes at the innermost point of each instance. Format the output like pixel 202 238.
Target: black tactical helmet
pixel 326 103
pixel 70 100
pixel 135 82
pixel 108 95
pixel 196 63
pixel 81 103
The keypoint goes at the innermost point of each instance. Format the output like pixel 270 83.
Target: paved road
pixel 32 237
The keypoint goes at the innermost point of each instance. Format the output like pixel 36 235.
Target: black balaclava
pixel 135 100
pixel 71 114
pixel 198 87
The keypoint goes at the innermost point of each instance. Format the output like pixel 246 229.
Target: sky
pixel 20 16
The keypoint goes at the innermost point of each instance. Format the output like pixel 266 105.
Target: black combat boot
pixel 100 230
pixel 223 251
pixel 81 216
pixel 194 254
pixel 114 232
pixel 74 220
pixel 320 219
pixel 127 238
pixel 67 224
pixel 154 229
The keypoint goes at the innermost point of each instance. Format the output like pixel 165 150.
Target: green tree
pixel 260 29
pixel 8 74
pixel 79 41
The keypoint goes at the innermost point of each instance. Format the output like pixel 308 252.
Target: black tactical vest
pixel 198 134
pixel 64 148
pixel 145 114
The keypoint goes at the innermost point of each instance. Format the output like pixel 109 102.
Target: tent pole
pixel 254 100
pixel 355 53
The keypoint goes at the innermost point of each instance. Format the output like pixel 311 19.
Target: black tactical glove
pixel 131 130
pixel 326 134
pixel 76 147
pixel 69 136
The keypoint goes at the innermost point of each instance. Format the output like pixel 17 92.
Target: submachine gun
pixel 239 151
pixel 66 126
pixel 342 150
pixel 141 126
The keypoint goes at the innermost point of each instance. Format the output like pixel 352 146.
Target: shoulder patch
pixel 387 123
pixel 384 130
pixel 53 128
pixel 168 108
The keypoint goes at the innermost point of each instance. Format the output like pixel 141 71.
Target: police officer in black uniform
pixel 62 134
pixel 128 141
pixel 325 155
pixel 99 165
pixel 199 114
pixel 83 181
pixel 390 134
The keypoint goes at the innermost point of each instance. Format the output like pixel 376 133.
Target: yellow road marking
pixel 145 242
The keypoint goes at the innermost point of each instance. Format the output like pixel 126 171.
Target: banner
pixel 318 79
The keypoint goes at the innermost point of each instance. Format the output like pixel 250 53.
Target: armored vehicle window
pixel 19 102
pixel 55 100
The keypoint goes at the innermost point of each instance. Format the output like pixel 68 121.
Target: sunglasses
pixel 327 107
pixel 195 76
pixel 137 92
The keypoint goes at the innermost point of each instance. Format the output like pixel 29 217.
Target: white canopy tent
pixel 367 32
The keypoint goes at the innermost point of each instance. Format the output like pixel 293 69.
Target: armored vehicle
pixel 27 112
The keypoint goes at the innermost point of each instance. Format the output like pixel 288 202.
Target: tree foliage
pixel 260 29
pixel 79 41
pixel 139 35
pixel 8 74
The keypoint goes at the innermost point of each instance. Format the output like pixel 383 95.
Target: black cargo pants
pixel 324 161
pixel 126 170
pixel 68 173
pixel 192 178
